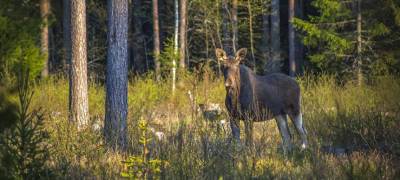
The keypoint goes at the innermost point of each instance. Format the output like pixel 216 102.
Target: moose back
pixel 254 98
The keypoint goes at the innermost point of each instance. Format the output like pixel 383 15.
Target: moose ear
pixel 241 54
pixel 221 55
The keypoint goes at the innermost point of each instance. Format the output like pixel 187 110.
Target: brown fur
pixel 251 97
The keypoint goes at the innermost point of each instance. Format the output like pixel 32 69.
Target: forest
pixel 199 89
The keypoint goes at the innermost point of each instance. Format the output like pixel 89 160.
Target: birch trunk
pixel 176 35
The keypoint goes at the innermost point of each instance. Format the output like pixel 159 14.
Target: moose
pixel 254 98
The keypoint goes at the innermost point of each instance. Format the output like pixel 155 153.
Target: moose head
pixel 254 98
pixel 231 67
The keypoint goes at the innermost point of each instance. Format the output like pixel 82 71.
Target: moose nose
pixel 227 84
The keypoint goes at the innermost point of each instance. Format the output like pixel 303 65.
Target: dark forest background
pixel 97 89
pixel 326 34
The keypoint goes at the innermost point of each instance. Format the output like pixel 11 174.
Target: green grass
pixel 364 119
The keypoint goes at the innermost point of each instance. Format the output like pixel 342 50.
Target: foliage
pixel 332 38
pixel 168 55
pixel 329 33
pixel 24 146
pixel 18 38
pixel 333 116
pixel 8 111
pixel 141 167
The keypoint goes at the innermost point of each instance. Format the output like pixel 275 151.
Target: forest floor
pixel 353 133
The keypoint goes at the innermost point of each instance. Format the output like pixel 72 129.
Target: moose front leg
pixel 234 123
pixel 285 134
pixel 248 123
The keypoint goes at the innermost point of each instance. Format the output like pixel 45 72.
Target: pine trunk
pixel 79 108
pixel 359 44
pixel 182 35
pixel 138 39
pixel 156 43
pixel 235 33
pixel 299 47
pixel 253 59
pixel 115 125
pixel 266 37
pixel 226 31
pixel 66 33
pixel 292 57
pixel 275 37
pixel 44 35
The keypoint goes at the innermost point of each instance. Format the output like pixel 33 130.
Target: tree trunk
pixel 176 35
pixel 182 35
pixel 266 37
pixel 359 44
pixel 292 58
pixel 235 34
pixel 218 34
pixel 226 31
pixel 138 39
pixel 156 36
pixel 115 124
pixel 253 59
pixel 44 35
pixel 66 33
pixel 79 108
pixel 275 37
pixel 299 47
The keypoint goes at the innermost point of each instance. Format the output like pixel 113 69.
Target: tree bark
pixel 66 33
pixel 359 44
pixel 235 33
pixel 138 39
pixel 44 35
pixel 299 47
pixel 226 31
pixel 292 57
pixel 266 37
pixel 275 37
pixel 253 59
pixel 156 42
pixel 115 125
pixel 176 35
pixel 182 35
pixel 79 108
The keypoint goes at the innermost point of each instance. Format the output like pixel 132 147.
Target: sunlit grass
pixel 363 120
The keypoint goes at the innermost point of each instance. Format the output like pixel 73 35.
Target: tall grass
pixel 363 121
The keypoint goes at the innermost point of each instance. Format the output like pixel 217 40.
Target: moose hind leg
pixel 298 123
pixel 281 121
pixel 249 131
pixel 234 123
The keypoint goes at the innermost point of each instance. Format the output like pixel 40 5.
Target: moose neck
pixel 233 93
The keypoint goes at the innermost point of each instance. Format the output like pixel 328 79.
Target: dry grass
pixel 363 120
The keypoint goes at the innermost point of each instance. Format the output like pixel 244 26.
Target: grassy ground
pixel 362 121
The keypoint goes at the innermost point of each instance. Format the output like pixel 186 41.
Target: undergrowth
pixel 363 121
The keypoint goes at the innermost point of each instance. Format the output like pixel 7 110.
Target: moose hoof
pixel 303 146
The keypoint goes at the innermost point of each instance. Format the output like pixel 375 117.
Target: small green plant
pixel 142 166
pixel 24 146
pixel 168 55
